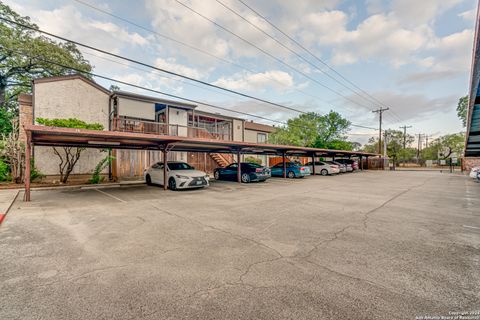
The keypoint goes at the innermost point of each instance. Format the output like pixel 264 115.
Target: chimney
pixel 25 111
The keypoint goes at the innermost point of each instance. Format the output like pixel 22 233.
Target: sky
pixel 412 56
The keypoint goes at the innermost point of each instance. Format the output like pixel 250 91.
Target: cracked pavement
pixel 370 245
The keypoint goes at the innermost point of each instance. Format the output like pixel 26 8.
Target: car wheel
pixel 172 184
pixel 324 172
pixel 245 178
pixel 148 180
pixel 291 174
pixel 216 175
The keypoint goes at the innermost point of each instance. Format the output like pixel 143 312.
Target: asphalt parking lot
pixel 370 245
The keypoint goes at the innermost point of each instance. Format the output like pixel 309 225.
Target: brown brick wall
pixel 470 162
pixel 25 113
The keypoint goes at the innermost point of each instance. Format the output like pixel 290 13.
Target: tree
pixel 395 150
pixel 449 143
pixel 68 156
pixel 22 57
pixel 462 110
pixel 356 146
pixel 13 152
pixel 314 130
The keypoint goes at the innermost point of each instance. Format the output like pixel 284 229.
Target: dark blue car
pixel 249 172
pixel 294 170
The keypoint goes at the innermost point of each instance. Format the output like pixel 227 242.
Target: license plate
pixel 199 182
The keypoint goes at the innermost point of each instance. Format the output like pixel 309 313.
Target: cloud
pixel 413 13
pixel 428 76
pixel 171 64
pixel 275 79
pixel 411 106
pixel 67 21
pixel 468 15
pixel 112 28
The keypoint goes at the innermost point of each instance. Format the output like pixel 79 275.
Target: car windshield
pixel 179 166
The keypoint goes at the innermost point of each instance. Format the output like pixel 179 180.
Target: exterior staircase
pixel 222 160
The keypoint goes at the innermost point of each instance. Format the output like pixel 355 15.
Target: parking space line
pixel 110 195
pixel 471 227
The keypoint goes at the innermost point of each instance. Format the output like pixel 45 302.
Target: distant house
pixel 78 97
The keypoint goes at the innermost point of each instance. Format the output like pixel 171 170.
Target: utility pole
pixel 385 148
pixel 426 141
pixel 380 113
pixel 419 146
pixel 405 127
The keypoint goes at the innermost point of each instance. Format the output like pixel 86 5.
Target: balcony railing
pixel 124 124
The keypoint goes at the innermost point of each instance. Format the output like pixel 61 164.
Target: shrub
pixel 34 172
pixel 4 171
pixel 96 178
pixel 69 123
pixel 254 160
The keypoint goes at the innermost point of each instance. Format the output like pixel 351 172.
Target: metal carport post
pixel 284 165
pixel 313 163
pixel 239 168
pixel 165 163
pixel 28 151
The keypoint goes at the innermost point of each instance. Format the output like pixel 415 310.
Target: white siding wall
pixel 71 98
pixel 251 136
pixel 180 117
pixel 136 109
pixel 238 130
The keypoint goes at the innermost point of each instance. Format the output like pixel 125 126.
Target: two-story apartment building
pixel 78 97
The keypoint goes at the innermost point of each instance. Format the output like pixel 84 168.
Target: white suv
pixel 180 175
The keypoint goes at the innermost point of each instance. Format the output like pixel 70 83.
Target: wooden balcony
pixel 124 124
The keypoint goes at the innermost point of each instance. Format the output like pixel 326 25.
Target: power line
pixel 311 53
pixel 287 48
pixel 191 46
pixel 162 70
pixel 153 67
pixel 161 92
pixel 269 54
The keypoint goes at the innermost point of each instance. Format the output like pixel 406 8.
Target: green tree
pixel 447 144
pixel 22 57
pixel 395 141
pixel 68 156
pixel 314 130
pixel 462 110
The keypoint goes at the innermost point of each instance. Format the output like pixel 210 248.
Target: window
pixel 233 166
pixel 261 137
pixel 179 166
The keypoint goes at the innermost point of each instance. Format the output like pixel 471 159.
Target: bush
pixel 96 178
pixel 253 160
pixel 34 172
pixel 69 123
pixel 4 171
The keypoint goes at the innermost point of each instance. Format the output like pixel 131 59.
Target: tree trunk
pixel 3 89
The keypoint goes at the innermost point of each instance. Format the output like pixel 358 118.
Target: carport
pixel 70 137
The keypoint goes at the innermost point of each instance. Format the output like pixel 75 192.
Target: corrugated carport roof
pixel 53 136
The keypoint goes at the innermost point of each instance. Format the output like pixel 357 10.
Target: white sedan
pixel 324 168
pixel 180 175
